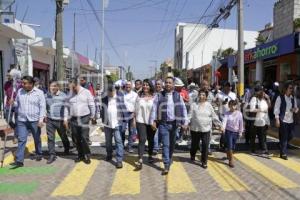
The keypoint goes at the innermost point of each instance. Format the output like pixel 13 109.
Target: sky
pixel 140 31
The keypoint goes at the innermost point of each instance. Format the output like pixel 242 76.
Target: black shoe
pixel 166 171
pixel 38 157
pixel 51 159
pixel 87 161
pixel 78 159
pixel 209 153
pixel 155 152
pixel 108 158
pixel 16 164
pixel 193 158
pixel 67 151
pixel 119 165
pixel 284 157
pixel 204 165
pixel 150 159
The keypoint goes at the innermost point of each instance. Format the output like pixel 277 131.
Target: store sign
pixel 260 53
pixel 281 46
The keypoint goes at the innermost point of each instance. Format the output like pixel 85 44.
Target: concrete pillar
pixel 259 71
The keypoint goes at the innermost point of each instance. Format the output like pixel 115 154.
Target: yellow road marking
pixel 127 180
pixel 178 180
pixel 226 179
pixel 290 163
pixel 29 148
pixel 266 171
pixel 76 181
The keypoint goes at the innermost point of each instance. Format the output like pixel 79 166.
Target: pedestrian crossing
pixel 183 177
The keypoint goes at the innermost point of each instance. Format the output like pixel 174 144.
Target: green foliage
pixel 297 23
pixel 227 52
pixel 261 39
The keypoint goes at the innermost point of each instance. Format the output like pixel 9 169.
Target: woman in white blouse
pixel 201 116
pixel 143 109
pixel 260 104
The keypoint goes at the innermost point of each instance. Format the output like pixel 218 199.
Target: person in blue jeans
pixel 168 113
pixel 113 113
pixel 31 107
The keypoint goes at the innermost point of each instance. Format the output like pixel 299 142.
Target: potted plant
pixel 297 25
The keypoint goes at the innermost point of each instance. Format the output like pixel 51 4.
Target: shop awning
pixel 16 30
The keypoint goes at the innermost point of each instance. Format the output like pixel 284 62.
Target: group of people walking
pixel 157 113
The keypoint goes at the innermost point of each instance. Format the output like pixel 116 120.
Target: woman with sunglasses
pixel 143 109
pixel 201 116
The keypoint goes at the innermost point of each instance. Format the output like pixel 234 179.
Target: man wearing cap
pixel 113 113
pixel 168 114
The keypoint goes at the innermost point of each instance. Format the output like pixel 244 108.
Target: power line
pixel 224 14
pixel 105 32
pixel 198 22
pixel 132 7
pixel 88 27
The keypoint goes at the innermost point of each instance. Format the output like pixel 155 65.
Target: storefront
pixel 267 63
pixel 41 71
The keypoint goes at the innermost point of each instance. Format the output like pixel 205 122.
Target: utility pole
pixel 102 49
pixel 240 47
pixel 74 46
pixel 59 41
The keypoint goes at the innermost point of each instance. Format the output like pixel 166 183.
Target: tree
pixel 112 78
pixel 227 52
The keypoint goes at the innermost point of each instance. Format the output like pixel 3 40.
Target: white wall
pixel 202 53
pixel 7 53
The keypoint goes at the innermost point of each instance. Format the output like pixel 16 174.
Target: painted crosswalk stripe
pixel 178 180
pixel 226 179
pixel 77 180
pixel 127 179
pixel 44 170
pixel 18 188
pixel 265 171
pixel 290 164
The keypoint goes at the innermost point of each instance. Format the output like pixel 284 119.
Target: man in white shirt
pixel 284 110
pixel 129 98
pixel 113 113
pixel 82 110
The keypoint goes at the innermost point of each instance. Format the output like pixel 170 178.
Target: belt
pixel 76 117
pixel 167 122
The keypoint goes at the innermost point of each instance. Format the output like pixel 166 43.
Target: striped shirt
pixel 56 106
pixel 31 106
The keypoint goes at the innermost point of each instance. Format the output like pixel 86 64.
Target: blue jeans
pixel 23 130
pixel 231 138
pixel 116 133
pixel 156 141
pixel 285 136
pixel 167 133
pixel 131 132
